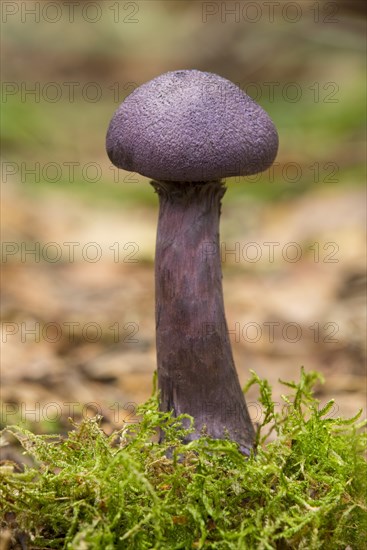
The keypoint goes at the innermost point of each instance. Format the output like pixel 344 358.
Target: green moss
pixel 304 489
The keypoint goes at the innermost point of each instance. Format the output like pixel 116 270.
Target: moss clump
pixel 305 489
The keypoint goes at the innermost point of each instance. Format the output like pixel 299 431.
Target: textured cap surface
pixel 191 126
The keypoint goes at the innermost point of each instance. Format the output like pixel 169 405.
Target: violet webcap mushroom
pixel 187 130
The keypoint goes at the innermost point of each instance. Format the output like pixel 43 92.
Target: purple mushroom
pixel 187 130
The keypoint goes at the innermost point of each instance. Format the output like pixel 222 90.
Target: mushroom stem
pixel 196 371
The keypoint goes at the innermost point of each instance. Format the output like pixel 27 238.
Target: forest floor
pixel 78 320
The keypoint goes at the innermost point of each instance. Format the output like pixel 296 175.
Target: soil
pixel 79 332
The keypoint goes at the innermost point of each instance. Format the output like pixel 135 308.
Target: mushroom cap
pixel 191 126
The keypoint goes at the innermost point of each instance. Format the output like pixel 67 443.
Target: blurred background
pixel 78 236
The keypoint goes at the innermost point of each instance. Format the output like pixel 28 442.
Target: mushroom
pixel 186 130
